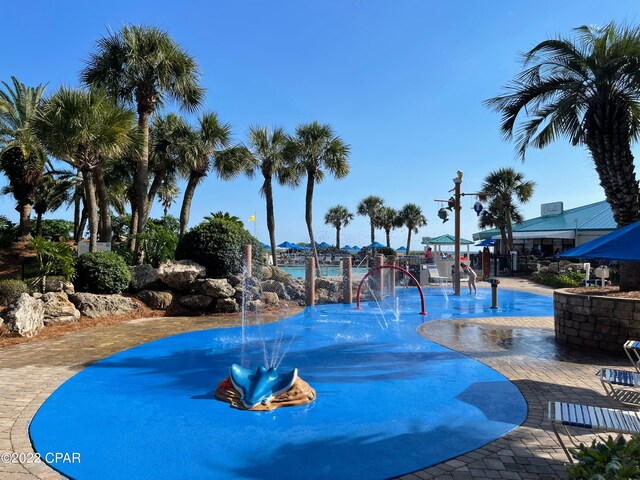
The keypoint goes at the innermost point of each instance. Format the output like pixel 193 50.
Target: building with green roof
pixel 557 229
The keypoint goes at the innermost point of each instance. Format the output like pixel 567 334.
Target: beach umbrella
pixel 487 242
pixel 347 247
pixel 375 245
pixel 401 249
pixel 286 245
pixel 264 245
pixel 621 244
pixel 324 245
pixel 355 247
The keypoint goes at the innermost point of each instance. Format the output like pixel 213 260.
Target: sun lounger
pixel 621 385
pixel 632 348
pixel 434 274
pixel 596 419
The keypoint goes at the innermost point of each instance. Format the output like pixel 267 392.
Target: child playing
pixel 472 277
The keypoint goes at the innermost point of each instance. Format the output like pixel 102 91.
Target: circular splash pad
pixel 389 402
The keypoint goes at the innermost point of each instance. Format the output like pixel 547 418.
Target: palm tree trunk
pixel 388 233
pixel 38 224
pixel 373 231
pixel 507 218
pixel 153 191
pixel 189 191
pixel 338 238
pixel 142 173
pixel 133 224
pixel 308 215
pixel 76 216
pixel 81 225
pixel 24 230
pixel 106 232
pixel 503 238
pixel 92 208
pixel 409 243
pixel 271 220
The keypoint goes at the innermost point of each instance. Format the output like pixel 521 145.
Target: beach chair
pixel 621 385
pixel 434 274
pixel 632 349
pixel 596 419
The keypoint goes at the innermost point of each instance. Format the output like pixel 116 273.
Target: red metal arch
pixel 393 267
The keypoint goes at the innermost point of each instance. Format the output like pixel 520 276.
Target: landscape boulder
pixel 56 285
pixel 226 305
pixel 157 300
pixel 24 316
pixel 195 301
pixel 214 287
pixel 270 299
pixel 144 277
pixel 179 275
pixel 58 308
pixel 94 306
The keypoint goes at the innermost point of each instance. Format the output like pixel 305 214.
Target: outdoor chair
pixel 621 385
pixel 632 349
pixel 596 419
pixel 434 274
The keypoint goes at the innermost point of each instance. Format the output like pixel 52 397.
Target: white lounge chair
pixel 632 349
pixel 434 274
pixel 596 419
pixel 621 385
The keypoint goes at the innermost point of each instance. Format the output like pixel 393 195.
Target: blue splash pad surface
pixel 389 401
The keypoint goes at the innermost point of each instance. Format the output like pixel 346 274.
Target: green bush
pixel 613 459
pixel 123 250
pixel 217 245
pixel 559 280
pixel 8 232
pixel 12 289
pixel 387 252
pixel 52 258
pixel 102 272
pixel 55 229
pixel 158 244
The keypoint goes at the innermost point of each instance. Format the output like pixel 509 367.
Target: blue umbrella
pixel 347 247
pixel 268 247
pixel 355 247
pixel 286 245
pixel 324 245
pixel 621 244
pixel 375 245
pixel 401 249
pixel 487 242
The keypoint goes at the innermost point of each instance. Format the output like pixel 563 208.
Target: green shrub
pixel 8 232
pixel 559 280
pixel 123 250
pixel 613 459
pixel 167 221
pixel 52 258
pixel 387 252
pixel 102 272
pixel 55 229
pixel 12 289
pixel 158 243
pixel 217 245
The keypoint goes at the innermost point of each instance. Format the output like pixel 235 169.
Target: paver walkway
pixel 521 348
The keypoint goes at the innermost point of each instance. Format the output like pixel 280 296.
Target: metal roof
pixel 445 240
pixel 595 216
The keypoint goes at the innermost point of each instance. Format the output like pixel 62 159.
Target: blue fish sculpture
pixel 262 385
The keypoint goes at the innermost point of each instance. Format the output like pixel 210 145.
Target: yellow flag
pixel 252 218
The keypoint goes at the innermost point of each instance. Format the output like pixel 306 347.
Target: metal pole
pixel 347 293
pixel 456 277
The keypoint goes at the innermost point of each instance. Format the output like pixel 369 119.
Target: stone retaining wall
pixel 595 322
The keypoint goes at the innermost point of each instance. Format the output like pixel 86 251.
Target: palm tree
pixel 225 216
pixel 338 217
pixel 493 217
pixel 370 207
pixel 52 192
pixel 586 90
pixel 84 128
pixel 412 217
pixel 504 188
pixel 266 153
pixel 167 194
pixel 388 219
pixel 314 150
pixel 144 66
pixel 203 151
pixel 22 158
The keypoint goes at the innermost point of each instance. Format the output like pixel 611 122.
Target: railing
pixel 362 261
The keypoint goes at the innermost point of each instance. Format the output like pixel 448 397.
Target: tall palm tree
pixel 316 149
pixel 586 90
pixel 504 188
pixel 338 217
pixel 83 128
pixel 144 66
pixel 22 158
pixel 266 153
pixel 204 151
pixel 493 217
pixel 168 193
pixel 413 219
pixel 370 207
pixel 388 219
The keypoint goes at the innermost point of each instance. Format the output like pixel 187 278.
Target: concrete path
pixel 521 348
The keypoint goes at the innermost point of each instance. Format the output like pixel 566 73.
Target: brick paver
pixel 521 348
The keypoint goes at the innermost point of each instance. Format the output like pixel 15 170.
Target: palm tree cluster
pixel 124 150
pixel 380 216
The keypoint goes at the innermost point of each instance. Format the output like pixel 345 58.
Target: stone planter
pixel 596 323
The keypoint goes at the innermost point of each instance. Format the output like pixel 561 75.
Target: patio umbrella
pixel 324 245
pixel 347 247
pixel 401 249
pixel 355 247
pixel 487 242
pixel 375 245
pixel 292 246
pixel 268 247
pixel 621 244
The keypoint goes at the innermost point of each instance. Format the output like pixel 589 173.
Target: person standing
pixel 472 277
pixel 428 254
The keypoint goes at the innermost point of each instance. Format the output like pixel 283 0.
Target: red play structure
pixel 392 267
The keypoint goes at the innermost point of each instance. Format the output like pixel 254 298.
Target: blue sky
pixel 401 82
